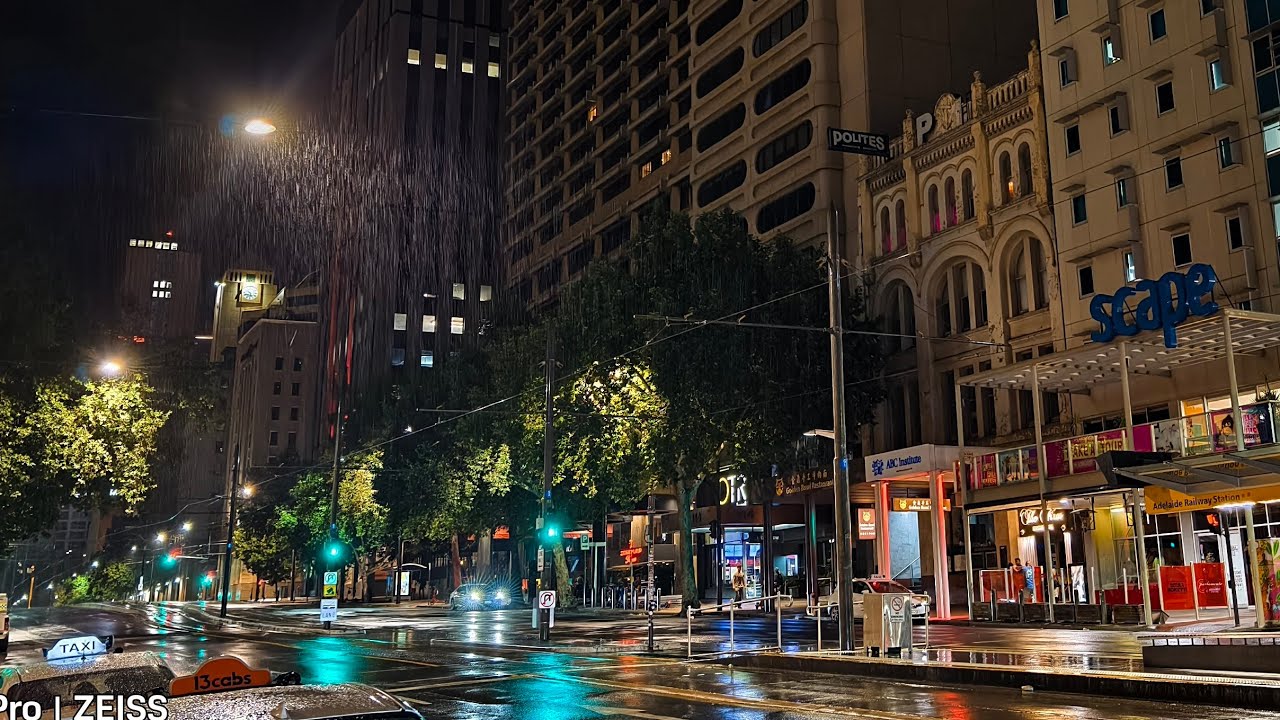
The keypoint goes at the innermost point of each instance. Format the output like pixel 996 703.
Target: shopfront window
pixel 742 550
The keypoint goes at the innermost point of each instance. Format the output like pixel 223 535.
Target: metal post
pixel 844 529
pixel 1195 595
pixel 1236 416
pixel 777 610
pixel 293 572
pixel 732 605
pixel 399 567
pixel 651 598
pixel 31 592
pixel 968 565
pixel 688 629
pixel 1043 472
pixel 1128 400
pixel 1140 531
pixel 548 471
pixel 1231 569
pixel 231 531
pixel 962 492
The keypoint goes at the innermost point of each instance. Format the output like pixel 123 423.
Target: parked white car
pixel 919 601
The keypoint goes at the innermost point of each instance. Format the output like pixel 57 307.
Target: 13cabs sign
pixel 217 675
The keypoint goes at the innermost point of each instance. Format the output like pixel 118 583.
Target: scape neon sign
pixel 1164 303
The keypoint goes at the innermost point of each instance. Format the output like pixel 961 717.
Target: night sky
pixel 71 179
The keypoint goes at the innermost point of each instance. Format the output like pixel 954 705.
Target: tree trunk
pixel 689 581
pixel 564 590
pixel 455 559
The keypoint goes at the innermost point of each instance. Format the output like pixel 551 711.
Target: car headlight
pixel 476 597
pixel 502 596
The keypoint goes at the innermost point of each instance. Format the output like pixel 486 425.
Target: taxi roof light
pixel 77 648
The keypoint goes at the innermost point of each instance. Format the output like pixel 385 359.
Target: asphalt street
pixel 475 665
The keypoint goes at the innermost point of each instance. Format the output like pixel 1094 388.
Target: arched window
pixel 949 200
pixel 780 28
pixel 784 146
pixel 1006 177
pixel 784 86
pixel 716 75
pixel 935 217
pixel 899 318
pixel 961 302
pixel 786 208
pixel 900 225
pixel 1027 277
pixel 718 19
pixel 1024 170
pixel 721 127
pixel 886 232
pixel 966 190
pixel 722 183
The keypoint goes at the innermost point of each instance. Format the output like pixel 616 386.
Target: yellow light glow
pixel 258 126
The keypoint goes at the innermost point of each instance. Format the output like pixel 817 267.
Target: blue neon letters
pixel 1164 303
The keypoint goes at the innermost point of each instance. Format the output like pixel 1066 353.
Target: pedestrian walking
pixel 739 585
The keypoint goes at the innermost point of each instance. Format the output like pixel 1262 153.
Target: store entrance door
pixel 742 550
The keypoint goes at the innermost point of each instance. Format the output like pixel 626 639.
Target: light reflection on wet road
pixel 451 678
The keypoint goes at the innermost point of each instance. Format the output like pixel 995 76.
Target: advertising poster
pixel 1175 580
pixel 986 476
pixel 1009 468
pixel 1211 585
pixel 1166 436
pixel 1268 566
pixel 1085 450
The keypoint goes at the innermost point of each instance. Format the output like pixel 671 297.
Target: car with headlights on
pixel 480 596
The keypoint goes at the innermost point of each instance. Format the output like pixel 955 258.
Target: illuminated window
pixel 593 112
pixel 442 61
pixel 427 359
pixel 459 291
pixel 468 67
pixel 486 293
pixel 173 246
pixel 399 321
pixel 458 326
pixel 666 156
pixel 133 243
pixel 428 323
pixel 646 169
pixel 493 69
pixel 415 56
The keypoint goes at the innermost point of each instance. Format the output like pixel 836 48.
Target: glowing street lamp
pixel 259 126
pixel 186 526
pixel 111 368
pixel 160 537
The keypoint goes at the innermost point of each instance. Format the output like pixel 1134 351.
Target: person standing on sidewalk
pixel 739 585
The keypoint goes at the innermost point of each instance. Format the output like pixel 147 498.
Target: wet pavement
pixel 446 674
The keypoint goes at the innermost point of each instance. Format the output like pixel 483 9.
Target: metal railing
pixel 821 610
pixel 733 607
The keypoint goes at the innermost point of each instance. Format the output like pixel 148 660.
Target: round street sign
pixel 546 599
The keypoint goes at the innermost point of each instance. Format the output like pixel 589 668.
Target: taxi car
pixel 919 601
pixel 85 665
pixel 227 689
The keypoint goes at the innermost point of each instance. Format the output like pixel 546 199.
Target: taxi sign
pixel 219 675
pixel 76 648
pixel 330 592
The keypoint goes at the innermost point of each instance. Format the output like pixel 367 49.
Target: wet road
pixel 457 678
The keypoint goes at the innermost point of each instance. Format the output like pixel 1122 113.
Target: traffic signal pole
pixel 231 532
pixel 548 471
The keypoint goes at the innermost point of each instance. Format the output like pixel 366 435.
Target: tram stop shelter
pixel 1177 461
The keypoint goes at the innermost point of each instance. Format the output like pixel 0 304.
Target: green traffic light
pixel 552 531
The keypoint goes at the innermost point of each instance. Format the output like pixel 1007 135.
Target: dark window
pixel 1060 9
pixel 275 388
pixel 1118 115
pixel 1164 98
pixel 615 236
pixel 966 189
pixel 275 438
pixel 784 146
pixel 275 412
pixel 1085 275
pixel 279 363
pixel 293 413
pixel 783 86
pixel 718 74
pixel 295 388
pixel 1235 233
pixel 786 208
pixel 717 20
pixel 1181 249
pixel 297 364
pixel 1124 191
pixel 1266 66
pixel 1079 211
pixel 722 183
pixel 1073 139
pixel 1173 173
pixel 1156 22
pixel 1226 153
pixel 292 440
pixel 720 128
pixel 780 28
pixel 1260 12
pixel 1207 6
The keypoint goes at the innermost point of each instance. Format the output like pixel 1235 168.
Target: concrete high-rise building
pixel 159 290
pixel 614 105
pixel 419 88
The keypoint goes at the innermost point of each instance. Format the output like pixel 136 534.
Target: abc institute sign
pixel 1164 303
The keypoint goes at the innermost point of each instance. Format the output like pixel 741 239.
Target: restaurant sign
pixel 802 481
pixel 1030 521
pixel 918 504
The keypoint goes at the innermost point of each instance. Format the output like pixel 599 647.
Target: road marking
pixel 626 712
pixel 468 681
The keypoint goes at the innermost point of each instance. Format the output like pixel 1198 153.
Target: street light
pixel 111 368
pixel 186 526
pixel 160 537
pixel 259 126
pixel 93 564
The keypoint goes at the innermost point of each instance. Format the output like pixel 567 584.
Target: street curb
pixel 1172 688
pixel 265 627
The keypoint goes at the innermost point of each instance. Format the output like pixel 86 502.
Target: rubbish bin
pixel 886 623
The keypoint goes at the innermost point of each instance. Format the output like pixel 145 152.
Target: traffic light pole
pixel 333 495
pixel 231 531
pixel 548 471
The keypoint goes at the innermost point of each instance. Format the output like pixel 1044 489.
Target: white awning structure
pixel 1200 340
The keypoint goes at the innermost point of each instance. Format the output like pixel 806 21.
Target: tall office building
pixel 615 104
pixel 159 290
pixel 418 89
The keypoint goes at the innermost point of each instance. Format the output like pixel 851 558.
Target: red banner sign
pixel 1211 585
pixel 1175 583
pixel 631 554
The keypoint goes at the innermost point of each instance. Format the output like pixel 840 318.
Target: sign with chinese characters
pixel 866 524
pixel 1165 304
pixel 803 481
pixel 1031 521
pixel 920 504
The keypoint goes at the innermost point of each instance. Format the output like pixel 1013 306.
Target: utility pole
pixel 231 531
pixel 651 602
pixel 844 528
pixel 548 471
pixel 337 455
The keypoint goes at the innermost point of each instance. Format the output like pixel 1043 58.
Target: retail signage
pixel 1162 501
pixel 803 481
pixel 919 504
pixel 1211 585
pixel 733 490
pixel 895 465
pixel 1030 520
pixel 631 555
pixel 866 524
pixel 857 142
pixel 1164 303
pixel 1175 587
